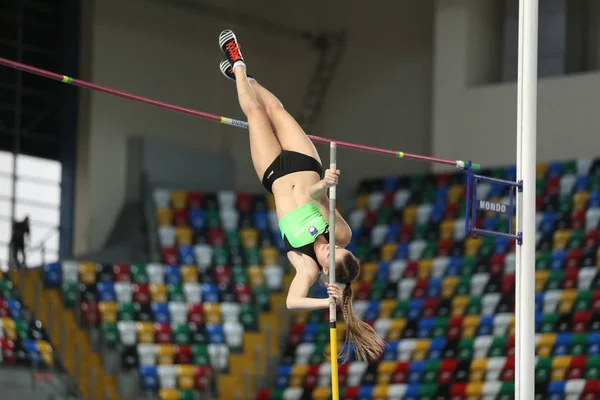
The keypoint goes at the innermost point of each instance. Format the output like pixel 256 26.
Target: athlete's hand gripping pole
pixel 332 303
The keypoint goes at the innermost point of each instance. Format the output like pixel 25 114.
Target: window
pixel 37 195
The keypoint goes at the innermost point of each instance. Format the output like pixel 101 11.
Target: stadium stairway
pixel 70 342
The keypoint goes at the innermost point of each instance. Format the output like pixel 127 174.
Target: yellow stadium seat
pixel 168 394
pixel 447 229
pixel 367 271
pixel 321 393
pixel 424 269
pixel 178 199
pixel 184 235
pixel 388 252
pixel 474 389
pixel 108 312
pixel 385 370
pixel 449 286
pixel 269 256
pixel 409 216
pixel 300 317
pixel 297 375
pixel 380 392
pixel 386 308
pixel 470 325
pixel 165 354
pixel 541 277
pixel 249 238
pixel 421 349
pixel 478 369
pixel 164 217
pixel 46 352
pixel 1 274
pixel 511 326
pixel 567 300
pixel 396 328
pixel 561 237
pixel 87 273
pixel 459 305
pixel 545 344
pixel 189 274
pixel 212 313
pixel 145 332
pixel 560 364
pixel 185 376
pixel 540 170
pixel 256 275
pixel 362 201
pixel 158 292
pixel 580 201
pixel 455 194
pixel 340 331
pixel 472 246
pixel 270 199
pixel 10 328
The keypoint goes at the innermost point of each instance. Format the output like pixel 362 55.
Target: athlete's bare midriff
pixel 293 190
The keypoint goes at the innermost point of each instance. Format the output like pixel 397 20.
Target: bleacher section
pixel 445 302
pixel 22 342
pixel 177 322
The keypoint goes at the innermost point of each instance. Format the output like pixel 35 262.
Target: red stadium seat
pixel 169 255
pixel 343 373
pixel 8 351
pixel 141 293
pixel 444 247
pixel 591 239
pixel 264 394
pixel 364 291
pixel 578 219
pixel 570 278
pixel 204 378
pixel 508 284
pixel 312 376
pixel 508 372
pixel 196 314
pixel 451 211
pixel 420 289
pixel 539 202
pixel 222 275
pixel 552 186
pixel 370 219
pixel 180 217
pixel 581 320
pixel 458 390
pixel 401 372
pixel 183 354
pixel 195 200
pixel 443 180
pixel 596 301
pixel 121 272
pixel 411 269
pixel 430 307
pixel 295 335
pixel 510 347
pixel 216 237
pixel 89 313
pixel 4 308
pixel 446 371
pixel 576 367
pixel 243 202
pixel 573 258
pixel 455 328
pixel 406 233
pixel 497 264
pixel 351 393
pixel 243 293
pixel 163 332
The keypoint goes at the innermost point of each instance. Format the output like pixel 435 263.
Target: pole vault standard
pixel 217 118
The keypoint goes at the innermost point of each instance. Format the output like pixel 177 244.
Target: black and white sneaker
pixel 227 70
pixel 230 47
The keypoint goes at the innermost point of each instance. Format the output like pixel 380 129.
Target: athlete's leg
pixel 288 131
pixel 264 147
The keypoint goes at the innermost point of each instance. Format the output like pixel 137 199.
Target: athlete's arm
pixel 318 192
pixel 306 275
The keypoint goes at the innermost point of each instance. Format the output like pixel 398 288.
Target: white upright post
pixel 526 163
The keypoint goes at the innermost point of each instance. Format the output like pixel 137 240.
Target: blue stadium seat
pixel 454 266
pixel 392 233
pixel 582 183
pixel 415 307
pixel 548 222
pixel 383 272
pixel 539 302
pixel 554 170
pixel 172 275
pixel 106 291
pixel 557 260
pixel 197 218
pixel 310 332
pixel 14 308
pixel 391 351
pixel 435 287
pixel 52 275
pixel 562 343
pixel 390 184
pixel 486 325
pixel 402 251
pixel 415 371
pixel 594 199
pixel 149 377
pixel 33 350
pixel 160 312
pixel 490 224
pixel 210 293
pixel 261 220
pixel 283 376
pixel 593 344
pixel 372 310
pixel 425 327
pixel 501 245
pixel 186 255
pixel 436 348
pixel 215 333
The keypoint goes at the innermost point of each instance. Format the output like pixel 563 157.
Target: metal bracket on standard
pixel 473 205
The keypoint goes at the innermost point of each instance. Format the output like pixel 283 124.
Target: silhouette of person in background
pixel 17 242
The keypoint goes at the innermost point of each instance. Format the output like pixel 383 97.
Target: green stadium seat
pixel 139 273
pixel 543 369
pixel 175 293
pixel 110 333
pixel 181 334
pixel 542 260
pixel 126 312
pixel 69 294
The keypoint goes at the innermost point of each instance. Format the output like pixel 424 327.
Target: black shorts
pixel 288 162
